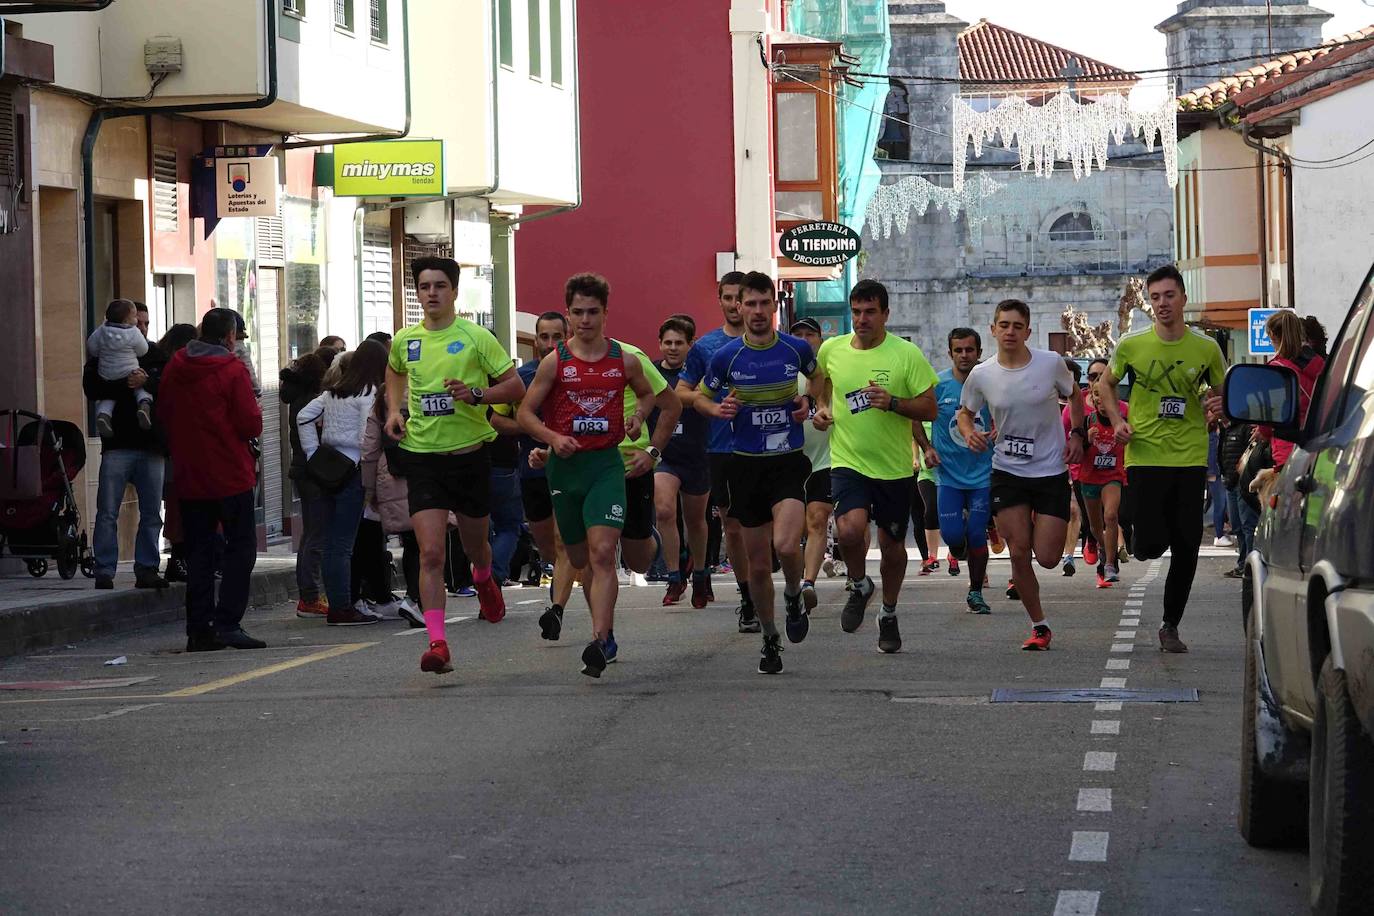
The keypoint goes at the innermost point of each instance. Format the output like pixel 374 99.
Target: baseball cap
pixel 810 324
pixel 242 329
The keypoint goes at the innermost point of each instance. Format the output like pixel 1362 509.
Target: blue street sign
pixel 1260 344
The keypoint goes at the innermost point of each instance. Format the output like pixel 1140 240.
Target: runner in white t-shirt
pixel 1030 481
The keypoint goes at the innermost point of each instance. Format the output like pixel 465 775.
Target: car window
pixel 1329 399
pixel 1363 376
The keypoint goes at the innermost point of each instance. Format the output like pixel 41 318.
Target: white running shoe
pixel 411 613
pixel 1224 541
pixel 387 610
pixel 366 608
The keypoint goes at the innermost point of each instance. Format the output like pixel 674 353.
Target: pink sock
pixel 481 573
pixel 434 623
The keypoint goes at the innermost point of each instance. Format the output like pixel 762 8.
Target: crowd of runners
pixel 788 437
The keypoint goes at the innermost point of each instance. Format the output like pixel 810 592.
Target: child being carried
pixel 116 346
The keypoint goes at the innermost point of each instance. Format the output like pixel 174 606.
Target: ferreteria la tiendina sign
pixel 819 244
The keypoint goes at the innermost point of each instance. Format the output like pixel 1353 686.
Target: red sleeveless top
pixel 588 398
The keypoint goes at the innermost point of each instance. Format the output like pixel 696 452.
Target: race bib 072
pixel 1104 462
pixel 590 426
pixel 1018 447
pixel 1171 408
pixel 436 405
pixel 857 401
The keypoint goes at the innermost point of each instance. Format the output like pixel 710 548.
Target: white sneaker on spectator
pixel 1224 541
pixel 388 610
pixel 366 608
pixel 411 613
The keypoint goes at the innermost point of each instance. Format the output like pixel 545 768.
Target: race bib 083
pixel 1171 408
pixel 857 401
pixel 590 426
pixel 436 405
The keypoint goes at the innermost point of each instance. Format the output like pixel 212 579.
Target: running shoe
pixel 1122 554
pixel 1090 552
pixel 594 659
pixel 436 659
pixel 701 591
pixel 798 618
pixel 311 610
pixel 1102 581
pixel 467 591
pixel 350 617
pixel 610 648
pixel 1069 569
pixel 410 610
pixel 995 541
pixel 551 623
pixel 808 594
pixel 1169 641
pixel 725 567
pixel 828 567
pixel 675 592
pixel 1112 573
pixel 1039 639
pixel 1235 572
pixel 929 566
pixel 748 620
pixel 387 610
pixel 852 616
pixel 889 637
pixel 1012 593
pixel 770 657
pixel 953 565
pixel 976 604
pixel 491 605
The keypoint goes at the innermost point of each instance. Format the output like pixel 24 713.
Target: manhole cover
pixel 1094 695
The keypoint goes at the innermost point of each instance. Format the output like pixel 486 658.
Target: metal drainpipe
pixel 1286 164
pixel 100 115
pixel 386 135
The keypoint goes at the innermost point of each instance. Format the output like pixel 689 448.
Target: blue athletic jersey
pixel 687 445
pixel 694 370
pixel 765 381
pixel 960 466
pixel 528 443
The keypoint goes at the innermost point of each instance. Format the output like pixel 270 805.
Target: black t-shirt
pixel 688 444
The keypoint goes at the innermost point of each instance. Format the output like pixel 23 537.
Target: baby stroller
pixel 38 517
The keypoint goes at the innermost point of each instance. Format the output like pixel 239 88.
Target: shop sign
pixel 1260 344
pixel 819 244
pixel 246 185
pixel 389 168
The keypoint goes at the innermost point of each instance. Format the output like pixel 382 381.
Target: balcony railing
pixel 1062 252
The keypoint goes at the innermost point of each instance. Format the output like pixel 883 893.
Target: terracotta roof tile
pixel 1217 93
pixel 989 52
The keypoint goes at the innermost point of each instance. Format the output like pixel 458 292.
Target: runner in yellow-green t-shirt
pixel 442 368
pixel 1175 374
pixel 877 385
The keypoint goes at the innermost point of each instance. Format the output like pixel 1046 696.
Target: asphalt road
pixel 682 781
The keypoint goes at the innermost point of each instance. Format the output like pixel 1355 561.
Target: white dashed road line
pixel 1077 903
pixel 1089 846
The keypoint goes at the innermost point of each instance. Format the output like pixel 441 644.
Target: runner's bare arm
pixel 395 397
pixel 528 414
pixel 921 407
pixel 669 410
pixel 1073 448
pixel 918 433
pixel 507 389
pixel 503 424
pixel 686 394
pixel 1106 401
pixel 973 437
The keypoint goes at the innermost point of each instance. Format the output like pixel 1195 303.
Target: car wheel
pixel 1342 803
pixel 1272 811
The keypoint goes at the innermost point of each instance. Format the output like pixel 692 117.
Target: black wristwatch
pixel 476 395
pixel 892 404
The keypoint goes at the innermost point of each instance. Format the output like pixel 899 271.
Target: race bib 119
pixel 857 401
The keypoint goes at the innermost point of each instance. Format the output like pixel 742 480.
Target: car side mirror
pixel 1264 395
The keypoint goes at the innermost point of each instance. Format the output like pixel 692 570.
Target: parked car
pixel 1307 757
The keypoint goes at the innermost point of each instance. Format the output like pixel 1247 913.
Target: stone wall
pixel 1212 30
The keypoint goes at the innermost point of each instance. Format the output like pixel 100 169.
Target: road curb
pixel 103 613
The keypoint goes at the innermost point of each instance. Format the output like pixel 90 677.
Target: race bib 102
pixel 770 416
pixel 436 405
pixel 1171 408
pixel 1018 447
pixel 857 401
pixel 590 426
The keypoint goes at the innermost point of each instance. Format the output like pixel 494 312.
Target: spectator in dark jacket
pixel 176 338
pixel 1235 438
pixel 129 455
pixel 210 413
pixel 301 383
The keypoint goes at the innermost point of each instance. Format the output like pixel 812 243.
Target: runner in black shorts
pixel 1030 481
pixel 440 369
pixel 682 476
pixel 816 445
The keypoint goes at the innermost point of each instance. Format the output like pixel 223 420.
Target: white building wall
pixel 1332 231
pixel 342 312
pixel 755 227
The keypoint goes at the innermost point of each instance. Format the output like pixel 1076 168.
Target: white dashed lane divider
pixel 422 629
pixel 1091 845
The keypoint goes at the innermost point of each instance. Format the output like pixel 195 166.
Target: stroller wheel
pixel 68 553
pixel 37 568
pixel 88 567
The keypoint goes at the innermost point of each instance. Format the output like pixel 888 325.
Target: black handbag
pixel 331 468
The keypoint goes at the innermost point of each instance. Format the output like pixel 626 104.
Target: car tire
pixel 1272 812
pixel 1341 804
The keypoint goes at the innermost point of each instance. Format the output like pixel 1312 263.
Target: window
pixel 343 15
pixel 1327 401
pixel 376 18
pixel 804 187
pixel 556 42
pixel 294 7
pixel 536 41
pixel 1071 227
pixel 503 26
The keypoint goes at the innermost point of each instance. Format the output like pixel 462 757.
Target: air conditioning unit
pixel 429 222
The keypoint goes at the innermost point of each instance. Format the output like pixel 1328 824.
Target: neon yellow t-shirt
pixel 657 383
pixel 875 443
pixel 925 473
pixel 1168 382
pixel 463 350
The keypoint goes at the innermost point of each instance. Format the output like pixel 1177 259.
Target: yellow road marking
pixel 265 671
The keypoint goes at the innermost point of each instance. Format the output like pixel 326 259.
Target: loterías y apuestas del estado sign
pixel 819 244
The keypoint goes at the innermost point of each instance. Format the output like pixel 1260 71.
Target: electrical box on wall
pixel 162 54
pixel 430 221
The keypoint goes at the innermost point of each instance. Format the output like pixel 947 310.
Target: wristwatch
pixel 655 454
pixel 476 395
pixel 892 404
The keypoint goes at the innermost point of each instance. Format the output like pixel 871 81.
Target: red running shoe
pixel 492 606
pixel 1102 581
pixel 436 659
pixel 1039 639
pixel 953 565
pixel 1090 552
pixel 929 566
pixel 701 592
pixel 674 593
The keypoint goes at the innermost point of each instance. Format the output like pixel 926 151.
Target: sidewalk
pixel 39 613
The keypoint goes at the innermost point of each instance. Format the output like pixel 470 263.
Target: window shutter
pixel 166 191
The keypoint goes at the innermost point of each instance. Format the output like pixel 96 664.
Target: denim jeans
pixel 1244 520
pixel 346 510
pixel 119 468
pixel 315 516
pixel 1217 490
pixel 507 511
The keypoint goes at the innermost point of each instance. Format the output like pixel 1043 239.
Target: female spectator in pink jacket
pixel 1289 335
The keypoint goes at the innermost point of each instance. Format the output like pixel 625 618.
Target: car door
pixel 1312 486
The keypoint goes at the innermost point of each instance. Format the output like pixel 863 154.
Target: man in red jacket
pixel 210 414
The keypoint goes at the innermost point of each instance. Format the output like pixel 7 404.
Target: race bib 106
pixel 857 401
pixel 436 405
pixel 1018 447
pixel 1172 408
pixel 590 426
